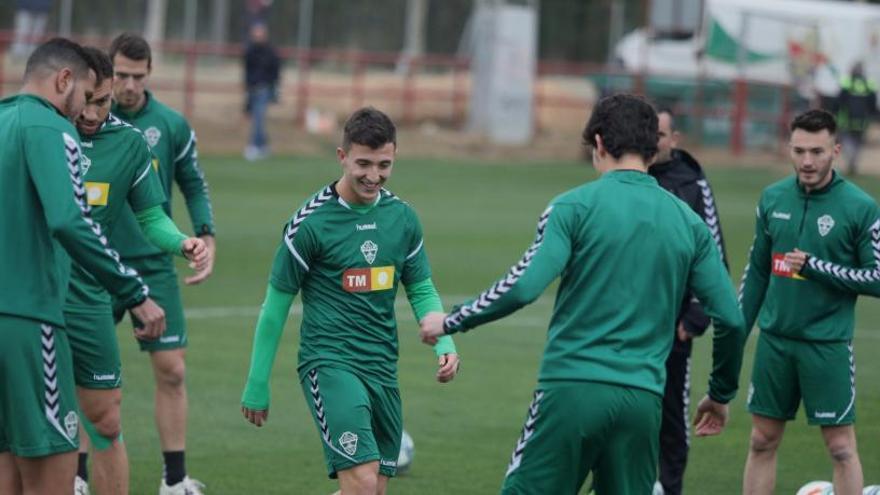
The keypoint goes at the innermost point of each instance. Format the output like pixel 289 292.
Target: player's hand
pixel 204 269
pixel 432 327
pixel 796 260
pixel 152 317
pixel 196 251
pixel 449 364
pixel 711 417
pixel 683 334
pixel 256 416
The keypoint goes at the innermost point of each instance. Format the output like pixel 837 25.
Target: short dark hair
pixel 368 127
pixel 627 124
pixel 668 111
pixel 56 54
pixel 815 121
pixel 131 46
pixel 101 62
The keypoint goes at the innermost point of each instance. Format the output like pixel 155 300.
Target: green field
pixel 478 219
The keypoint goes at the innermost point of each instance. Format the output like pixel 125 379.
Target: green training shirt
pixel 44 199
pixel 119 175
pixel 173 143
pixel 838 226
pixel 348 265
pixel 626 251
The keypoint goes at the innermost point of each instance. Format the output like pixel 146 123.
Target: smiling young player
pixel 348 249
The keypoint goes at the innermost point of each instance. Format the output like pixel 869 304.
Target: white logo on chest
pixel 153 135
pixel 366 226
pixel 826 223
pixel 369 250
pixel 84 163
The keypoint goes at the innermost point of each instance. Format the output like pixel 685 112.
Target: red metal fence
pixel 410 92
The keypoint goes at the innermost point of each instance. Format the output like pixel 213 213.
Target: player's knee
pixel 172 373
pixel 108 423
pixel 842 453
pixel 361 481
pixel 764 443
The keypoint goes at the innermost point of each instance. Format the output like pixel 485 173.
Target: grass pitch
pixel 478 220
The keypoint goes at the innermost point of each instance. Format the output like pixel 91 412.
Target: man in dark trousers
pixel 261 78
pixel 679 173
pixel 856 106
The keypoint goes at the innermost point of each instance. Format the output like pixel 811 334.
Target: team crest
pixel 84 163
pixel 826 223
pixel 369 250
pixel 152 134
pixel 349 442
pixel 71 424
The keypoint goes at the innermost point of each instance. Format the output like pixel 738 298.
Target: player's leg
pixel 10 480
pixel 559 442
pixel 97 370
pixel 828 376
pixel 341 408
pixel 774 396
pixel 627 465
pixel 387 430
pixel 103 423
pixel 841 444
pixel 675 427
pixel 38 419
pixel 49 475
pixel 168 360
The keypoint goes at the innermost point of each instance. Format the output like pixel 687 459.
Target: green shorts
pixel 160 276
pixel 358 421
pixel 574 428
pixel 37 398
pixel 822 373
pixel 94 347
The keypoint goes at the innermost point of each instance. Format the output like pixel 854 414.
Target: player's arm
pixel 53 163
pixel 423 299
pixel 864 279
pixel 756 276
pixel 693 319
pixel 710 282
pixel 191 180
pixel 289 270
pixel 542 262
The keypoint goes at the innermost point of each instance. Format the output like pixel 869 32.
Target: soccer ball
pixel 658 489
pixel 871 490
pixel 407 452
pixel 817 488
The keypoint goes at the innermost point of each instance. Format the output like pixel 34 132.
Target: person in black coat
pixel 679 173
pixel 262 66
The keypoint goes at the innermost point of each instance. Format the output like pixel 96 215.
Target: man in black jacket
pixel 262 66
pixel 679 173
pixel 856 107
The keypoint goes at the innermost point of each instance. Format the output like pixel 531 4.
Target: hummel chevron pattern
pixel 852 382
pixel 852 274
pixel 52 393
pixel 710 214
pixel 504 285
pixel 320 413
pixel 300 216
pixel 527 432
pixel 742 282
pixel 72 152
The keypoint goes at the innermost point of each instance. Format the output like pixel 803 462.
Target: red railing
pixel 410 94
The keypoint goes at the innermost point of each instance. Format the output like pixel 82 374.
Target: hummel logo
pixel 367 226
pixel 87 144
pixel 780 215
pixel 821 415
pixel 111 376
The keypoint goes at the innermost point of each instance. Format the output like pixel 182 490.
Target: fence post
pixel 409 94
pixel 189 84
pixel 738 116
pixel 302 85
pixel 357 81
